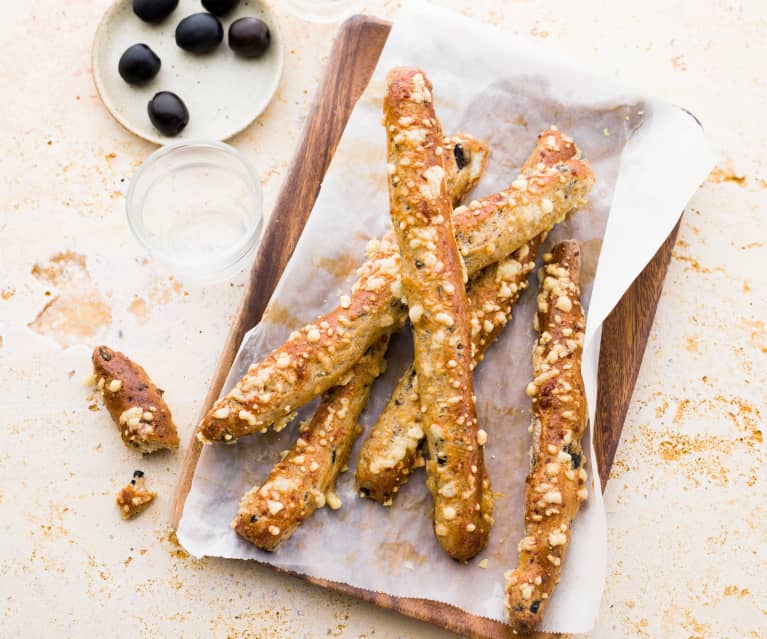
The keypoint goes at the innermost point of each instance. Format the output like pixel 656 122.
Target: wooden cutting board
pixel 352 60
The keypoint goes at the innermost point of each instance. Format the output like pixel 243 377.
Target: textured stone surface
pixel 685 500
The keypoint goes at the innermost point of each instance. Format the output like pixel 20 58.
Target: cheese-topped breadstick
pixel 556 483
pixel 434 280
pixel 390 450
pixel 318 355
pixel 133 400
pixel 305 478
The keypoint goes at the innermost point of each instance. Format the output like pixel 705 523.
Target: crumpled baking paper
pixel 648 156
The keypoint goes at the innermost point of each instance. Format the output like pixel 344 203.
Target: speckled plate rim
pixel 157 139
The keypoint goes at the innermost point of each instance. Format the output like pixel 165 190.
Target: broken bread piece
pixel 134 498
pixel 134 402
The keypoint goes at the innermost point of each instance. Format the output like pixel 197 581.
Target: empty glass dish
pixel 197 206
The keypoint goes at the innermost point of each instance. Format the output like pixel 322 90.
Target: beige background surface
pixel 686 499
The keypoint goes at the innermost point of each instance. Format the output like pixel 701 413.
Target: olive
pixel 154 10
pixel 168 113
pixel 199 33
pixel 249 37
pixel 139 64
pixel 220 7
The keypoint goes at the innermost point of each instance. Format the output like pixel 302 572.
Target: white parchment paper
pixel 649 158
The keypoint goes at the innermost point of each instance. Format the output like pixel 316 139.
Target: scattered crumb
pixel 678 62
pixel 722 174
pixel 134 498
pixel 178 549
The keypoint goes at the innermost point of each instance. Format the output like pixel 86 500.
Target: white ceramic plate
pixel 223 92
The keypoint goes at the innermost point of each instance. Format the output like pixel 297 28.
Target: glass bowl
pixel 197 207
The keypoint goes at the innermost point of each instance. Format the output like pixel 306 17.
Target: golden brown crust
pixel 134 402
pixel 134 498
pixel 305 478
pixel 556 482
pixel 434 279
pixel 492 228
pixel 318 355
pixel 390 450
pixel 552 148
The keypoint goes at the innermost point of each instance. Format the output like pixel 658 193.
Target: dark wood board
pixel 352 60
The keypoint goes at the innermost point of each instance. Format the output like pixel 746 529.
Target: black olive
pixel 460 156
pixel 253 519
pixel 168 113
pixel 199 33
pixel 249 37
pixel 105 354
pixel 139 64
pixel 576 457
pixel 154 10
pixel 220 7
pixel 535 606
pixel 138 473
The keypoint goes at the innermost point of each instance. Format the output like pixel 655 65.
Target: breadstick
pixel 318 355
pixel 390 450
pixel 134 402
pixel 556 483
pixel 305 478
pixel 433 278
